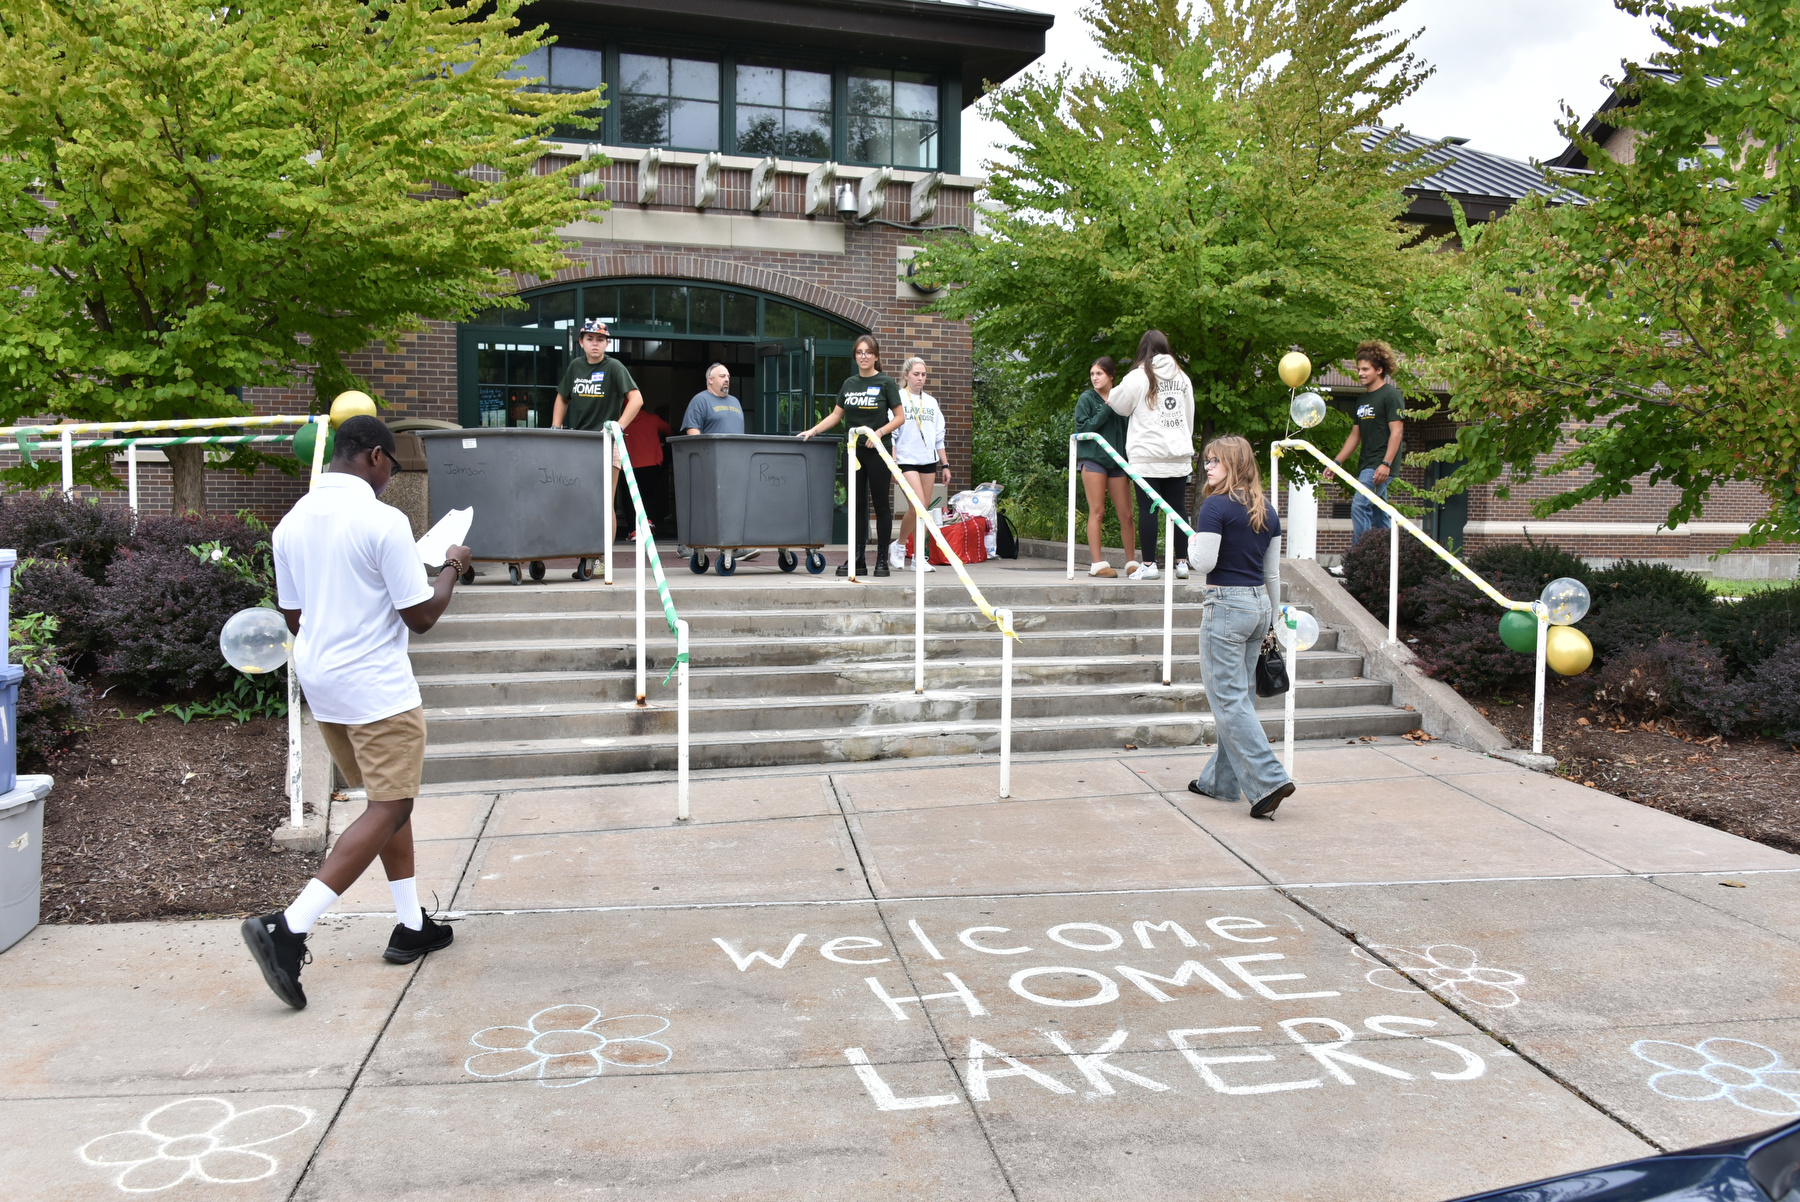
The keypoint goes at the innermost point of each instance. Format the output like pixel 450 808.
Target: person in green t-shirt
pixel 1101 475
pixel 596 388
pixel 871 400
pixel 1380 431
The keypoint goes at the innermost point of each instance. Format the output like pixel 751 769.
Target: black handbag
pixel 1271 669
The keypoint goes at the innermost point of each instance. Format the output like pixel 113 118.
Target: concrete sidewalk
pixel 1433 973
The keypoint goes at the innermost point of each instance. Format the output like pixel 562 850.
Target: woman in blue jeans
pixel 1238 552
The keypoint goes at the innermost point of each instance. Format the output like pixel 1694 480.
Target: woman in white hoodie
pixel 1158 399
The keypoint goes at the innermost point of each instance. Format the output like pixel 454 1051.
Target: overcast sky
pixel 1503 68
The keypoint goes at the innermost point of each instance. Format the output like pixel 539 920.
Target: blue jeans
pixel 1364 516
pixel 1233 622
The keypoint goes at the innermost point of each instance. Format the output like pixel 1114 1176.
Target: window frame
pixel 615 92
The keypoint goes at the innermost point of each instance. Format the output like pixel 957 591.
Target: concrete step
pixel 464 689
pixel 781 712
pixel 447 763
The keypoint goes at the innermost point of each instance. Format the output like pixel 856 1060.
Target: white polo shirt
pixel 348 563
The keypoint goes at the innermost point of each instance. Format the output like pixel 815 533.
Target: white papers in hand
pixel 449 532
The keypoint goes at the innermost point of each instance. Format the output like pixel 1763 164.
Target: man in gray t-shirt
pixel 714 411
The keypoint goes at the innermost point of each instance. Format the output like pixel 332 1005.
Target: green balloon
pixel 1518 630
pixel 303 443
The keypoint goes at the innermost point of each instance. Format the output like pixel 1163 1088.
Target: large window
pixel 669 101
pixel 893 118
pixel 562 68
pixel 668 307
pixel 784 111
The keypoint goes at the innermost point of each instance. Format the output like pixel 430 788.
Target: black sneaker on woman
pixel 406 945
pixel 280 954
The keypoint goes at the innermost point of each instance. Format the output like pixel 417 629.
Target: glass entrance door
pixel 784 372
pixel 512 374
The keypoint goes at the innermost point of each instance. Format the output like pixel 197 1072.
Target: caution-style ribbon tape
pixel 1437 549
pixel 962 573
pixel 662 584
pixel 1139 481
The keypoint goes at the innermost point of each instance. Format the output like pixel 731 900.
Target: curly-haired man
pixel 1380 431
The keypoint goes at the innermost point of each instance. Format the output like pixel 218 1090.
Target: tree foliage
pixel 1217 181
pixel 1641 330
pixel 195 199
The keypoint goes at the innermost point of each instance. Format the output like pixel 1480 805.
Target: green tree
pixel 195 199
pixel 1642 332
pixel 1217 181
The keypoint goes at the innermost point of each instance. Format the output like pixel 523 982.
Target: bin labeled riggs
pixel 734 492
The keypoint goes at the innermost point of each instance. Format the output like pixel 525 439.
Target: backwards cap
pixel 594 325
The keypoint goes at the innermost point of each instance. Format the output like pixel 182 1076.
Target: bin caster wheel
pixel 512 570
pixel 787 560
pixel 468 577
pixel 815 562
pixel 698 563
pixel 584 569
pixel 727 563
pixel 537 569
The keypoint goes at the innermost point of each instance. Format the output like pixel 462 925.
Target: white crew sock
pixel 313 901
pixel 406 903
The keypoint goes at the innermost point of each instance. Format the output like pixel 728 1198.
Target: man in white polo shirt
pixel 348 578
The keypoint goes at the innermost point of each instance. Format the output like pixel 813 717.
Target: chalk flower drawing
pixel 569 1045
pixel 1743 1073
pixel 195 1139
pixel 1448 968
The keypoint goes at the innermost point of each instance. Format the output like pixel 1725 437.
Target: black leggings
pixel 1172 489
pixel 872 480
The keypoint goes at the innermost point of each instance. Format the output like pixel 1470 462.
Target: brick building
pixel 769 167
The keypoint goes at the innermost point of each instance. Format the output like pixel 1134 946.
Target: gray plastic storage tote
pixel 21 857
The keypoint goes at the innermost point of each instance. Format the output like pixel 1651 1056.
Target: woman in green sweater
pixel 1101 475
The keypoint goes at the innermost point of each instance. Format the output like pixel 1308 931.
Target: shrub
pixel 53 706
pixel 1673 677
pixel 1640 621
pixel 47 525
pixel 164 609
pixel 1751 630
pixel 1774 693
pixel 1467 655
pixel 1530 565
pixel 1637 684
pixel 1633 578
pixel 1366 568
pixel 240 534
pixel 58 586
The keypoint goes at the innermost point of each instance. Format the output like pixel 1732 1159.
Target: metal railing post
pixel 1071 574
pixel 1006 674
pixel 608 499
pixel 1537 703
pixel 681 721
pixel 296 795
pixel 1168 667
pixel 919 555
pixel 853 536
pixel 1293 669
pixel 643 533
pixel 131 491
pixel 68 463
pixel 1393 582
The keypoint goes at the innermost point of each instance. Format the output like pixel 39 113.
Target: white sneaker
pixel 1101 568
pixel 747 556
pixel 914 563
pixel 897 555
pixel 1146 572
pixel 1181 569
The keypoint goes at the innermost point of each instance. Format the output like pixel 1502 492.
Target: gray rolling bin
pixel 536 493
pixel 738 491
pixel 21 857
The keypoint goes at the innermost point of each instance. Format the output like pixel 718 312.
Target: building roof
pixel 1485 184
pixel 1599 128
pixel 990 41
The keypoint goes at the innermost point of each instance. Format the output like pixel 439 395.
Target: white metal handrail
pixel 613 435
pixel 1171 519
pixel 1397 520
pixel 1000 617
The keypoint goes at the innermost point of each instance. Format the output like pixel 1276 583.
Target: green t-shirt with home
pixel 1374 410
pixel 595 392
pixel 868 401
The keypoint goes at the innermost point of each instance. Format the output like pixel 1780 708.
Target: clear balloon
pixel 256 640
pixel 1308 410
pixel 1296 628
pixel 1567 599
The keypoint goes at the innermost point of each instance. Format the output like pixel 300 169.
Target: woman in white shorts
pixel 919 450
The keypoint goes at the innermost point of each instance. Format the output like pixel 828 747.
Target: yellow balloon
pixel 1295 369
pixel 351 404
pixel 1568 651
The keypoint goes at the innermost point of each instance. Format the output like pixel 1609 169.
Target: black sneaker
pixel 406 945
pixel 881 569
pixel 1266 806
pixel 279 953
pixel 843 569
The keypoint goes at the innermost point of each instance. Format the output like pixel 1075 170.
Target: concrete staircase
pixel 535 682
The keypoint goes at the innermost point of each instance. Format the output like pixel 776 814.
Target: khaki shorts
pixel 387 757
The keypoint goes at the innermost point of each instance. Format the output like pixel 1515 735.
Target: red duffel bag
pixel 968 538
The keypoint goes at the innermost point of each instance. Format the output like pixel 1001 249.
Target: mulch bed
pixel 162 820
pixel 1747 786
